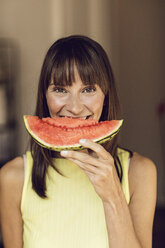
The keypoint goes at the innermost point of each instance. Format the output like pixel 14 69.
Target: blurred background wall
pixel 132 33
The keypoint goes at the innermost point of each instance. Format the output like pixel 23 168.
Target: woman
pixel 103 196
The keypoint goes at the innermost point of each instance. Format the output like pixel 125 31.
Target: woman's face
pixel 76 101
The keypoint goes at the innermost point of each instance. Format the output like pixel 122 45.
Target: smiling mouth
pixel 77 117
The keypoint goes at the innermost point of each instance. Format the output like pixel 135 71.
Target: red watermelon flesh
pixel 64 133
pixel 69 122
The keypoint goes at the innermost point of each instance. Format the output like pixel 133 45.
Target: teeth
pixel 84 118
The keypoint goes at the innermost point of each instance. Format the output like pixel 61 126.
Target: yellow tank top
pixel 72 216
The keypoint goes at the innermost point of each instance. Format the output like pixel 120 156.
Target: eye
pixel 59 90
pixel 89 89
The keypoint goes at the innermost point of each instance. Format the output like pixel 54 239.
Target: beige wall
pixel 88 17
pixel 27 25
pixel 131 32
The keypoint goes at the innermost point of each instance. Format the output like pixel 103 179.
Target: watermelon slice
pixel 63 133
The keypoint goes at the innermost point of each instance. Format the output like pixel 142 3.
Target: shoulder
pixel 13 170
pixel 12 177
pixel 141 166
pixel 11 184
pixel 142 172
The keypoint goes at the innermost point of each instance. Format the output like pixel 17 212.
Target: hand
pixel 99 168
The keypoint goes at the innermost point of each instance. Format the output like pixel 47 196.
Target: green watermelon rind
pixel 75 147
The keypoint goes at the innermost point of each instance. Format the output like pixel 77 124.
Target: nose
pixel 75 106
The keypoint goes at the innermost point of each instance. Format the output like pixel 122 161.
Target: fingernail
pixel 64 153
pixel 82 141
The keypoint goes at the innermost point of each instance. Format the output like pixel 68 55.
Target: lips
pixel 77 117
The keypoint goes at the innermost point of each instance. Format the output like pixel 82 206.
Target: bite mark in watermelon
pixel 63 133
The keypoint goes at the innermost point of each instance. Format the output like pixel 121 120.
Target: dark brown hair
pixel 93 67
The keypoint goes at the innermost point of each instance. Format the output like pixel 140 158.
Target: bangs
pixel 69 59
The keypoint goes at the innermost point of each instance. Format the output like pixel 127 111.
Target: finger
pixel 87 168
pixel 82 157
pixel 97 148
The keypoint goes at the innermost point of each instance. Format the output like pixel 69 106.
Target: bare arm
pixel 11 183
pixel 131 226
pixel 143 186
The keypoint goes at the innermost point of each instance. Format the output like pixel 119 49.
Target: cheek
pixel 96 104
pixel 54 104
pixel 99 105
